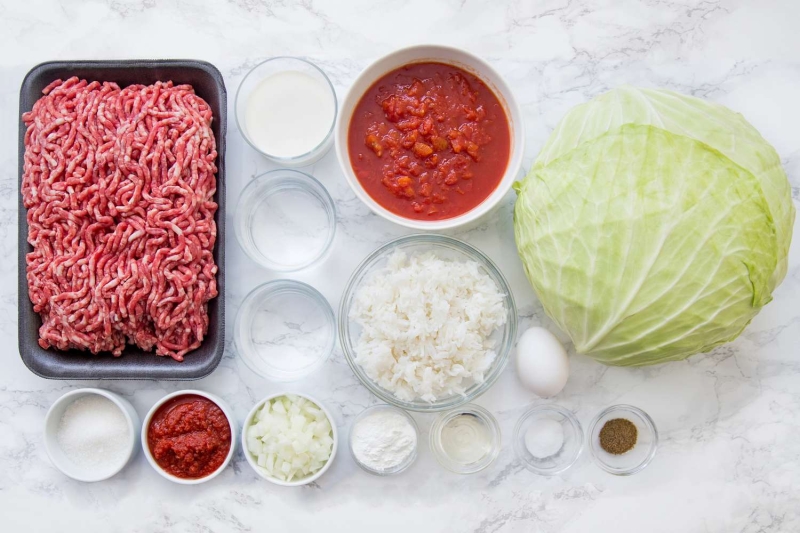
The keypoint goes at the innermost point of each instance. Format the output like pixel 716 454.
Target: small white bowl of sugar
pixel 91 434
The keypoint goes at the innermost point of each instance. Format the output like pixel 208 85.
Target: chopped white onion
pixel 290 438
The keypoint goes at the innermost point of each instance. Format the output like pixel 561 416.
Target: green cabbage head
pixel 653 225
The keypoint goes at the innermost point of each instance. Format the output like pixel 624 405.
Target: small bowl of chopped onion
pixel 427 322
pixel 289 439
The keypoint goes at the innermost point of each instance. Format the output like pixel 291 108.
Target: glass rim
pixel 503 351
pixel 292 159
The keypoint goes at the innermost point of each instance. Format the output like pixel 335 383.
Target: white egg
pixel 542 362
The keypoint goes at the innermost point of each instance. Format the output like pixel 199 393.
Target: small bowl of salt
pixel 91 434
pixel 548 439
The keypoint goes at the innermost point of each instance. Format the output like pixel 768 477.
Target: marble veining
pixel 729 459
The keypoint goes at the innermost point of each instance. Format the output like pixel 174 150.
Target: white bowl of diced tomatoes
pixel 430 137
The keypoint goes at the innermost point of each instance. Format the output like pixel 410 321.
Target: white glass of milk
pixel 286 109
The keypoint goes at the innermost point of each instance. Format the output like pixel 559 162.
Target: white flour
pixel 383 440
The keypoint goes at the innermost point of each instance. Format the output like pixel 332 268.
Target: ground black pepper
pixel 618 436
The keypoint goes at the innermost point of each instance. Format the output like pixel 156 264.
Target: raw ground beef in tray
pixel 119 186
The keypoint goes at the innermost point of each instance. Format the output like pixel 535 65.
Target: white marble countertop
pixel 729 459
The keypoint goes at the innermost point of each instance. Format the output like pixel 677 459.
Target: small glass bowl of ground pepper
pixel 623 440
pixel 188 436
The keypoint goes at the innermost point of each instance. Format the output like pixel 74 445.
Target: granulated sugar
pixel 93 433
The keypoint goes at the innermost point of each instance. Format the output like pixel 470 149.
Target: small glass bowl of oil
pixel 465 440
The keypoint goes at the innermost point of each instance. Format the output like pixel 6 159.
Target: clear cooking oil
pixel 466 439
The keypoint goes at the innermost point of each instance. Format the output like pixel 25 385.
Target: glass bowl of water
pixel 284 330
pixel 285 220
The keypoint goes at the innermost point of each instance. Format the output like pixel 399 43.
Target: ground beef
pixel 119 186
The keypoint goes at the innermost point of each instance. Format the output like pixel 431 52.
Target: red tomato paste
pixel 189 436
pixel 429 141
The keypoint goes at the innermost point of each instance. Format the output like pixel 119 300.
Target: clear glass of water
pixel 284 330
pixel 285 220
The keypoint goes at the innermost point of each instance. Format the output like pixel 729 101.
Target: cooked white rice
pixel 426 325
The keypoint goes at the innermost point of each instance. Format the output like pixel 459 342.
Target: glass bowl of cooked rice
pixel 427 322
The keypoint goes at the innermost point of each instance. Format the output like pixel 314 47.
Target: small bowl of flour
pixel 383 440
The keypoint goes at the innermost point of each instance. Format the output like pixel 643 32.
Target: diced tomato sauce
pixel 429 141
pixel 189 436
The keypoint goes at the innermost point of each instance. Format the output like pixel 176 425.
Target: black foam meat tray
pixel 134 362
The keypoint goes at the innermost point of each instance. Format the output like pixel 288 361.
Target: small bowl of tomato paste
pixel 430 137
pixel 188 436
